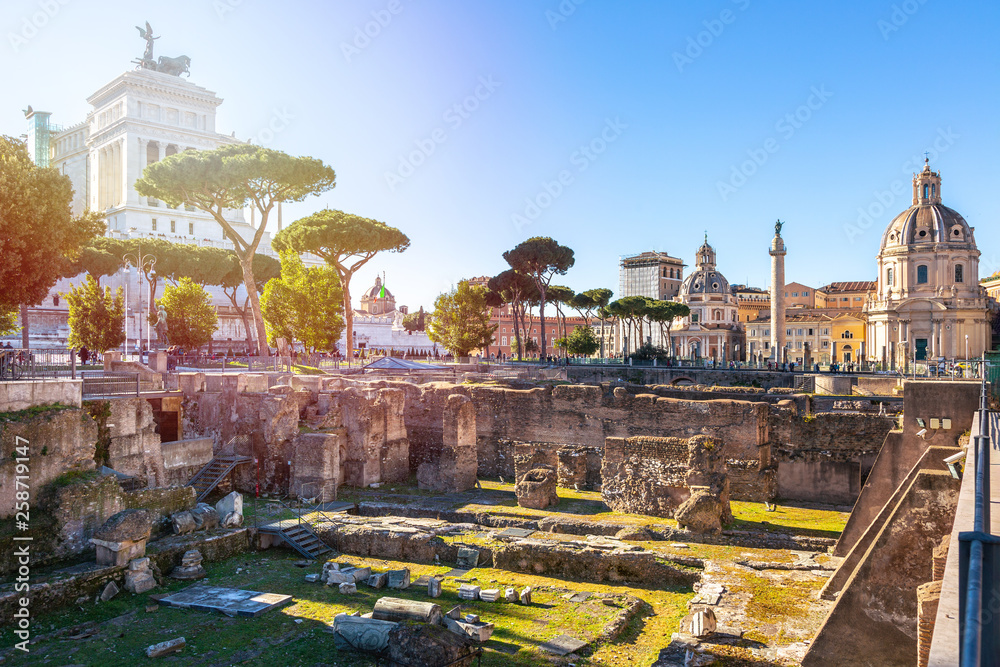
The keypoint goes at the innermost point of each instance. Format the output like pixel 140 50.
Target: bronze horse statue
pixel 174 66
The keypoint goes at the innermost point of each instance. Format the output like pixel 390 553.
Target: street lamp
pixel 144 265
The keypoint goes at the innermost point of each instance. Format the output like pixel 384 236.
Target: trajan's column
pixel 778 295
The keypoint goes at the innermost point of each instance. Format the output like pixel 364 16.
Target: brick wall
pixel 645 475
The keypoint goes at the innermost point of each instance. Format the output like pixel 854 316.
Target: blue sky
pixel 613 127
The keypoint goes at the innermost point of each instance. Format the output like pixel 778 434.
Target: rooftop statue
pixel 173 66
pixel 777 227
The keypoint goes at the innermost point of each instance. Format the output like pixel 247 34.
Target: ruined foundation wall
pixel 645 475
pixel 825 457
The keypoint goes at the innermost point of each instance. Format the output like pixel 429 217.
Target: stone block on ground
pixel 205 516
pixel 399 578
pixel 190 567
pixel 537 488
pixel 468 592
pixel 232 502
pixel 131 525
pixel 434 587
pixel 110 590
pixel 348 587
pixel 525 596
pixel 139 577
pixel 700 623
pixel 489 595
pixel 412 643
pixel 357 633
pixel 398 609
pixel 378 579
pixel 467 558
pixel 510 594
pixel 165 648
pixel 476 630
pixel 701 513
pixel 183 522
pixel 313 578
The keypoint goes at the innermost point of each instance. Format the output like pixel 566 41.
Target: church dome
pixel 376 290
pixel 705 279
pixel 927 220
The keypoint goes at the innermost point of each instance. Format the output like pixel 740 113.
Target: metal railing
pixel 37 363
pixel 101 384
pixel 979 556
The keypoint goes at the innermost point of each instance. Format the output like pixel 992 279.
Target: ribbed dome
pixel 927 223
pixel 705 282
pixel 705 279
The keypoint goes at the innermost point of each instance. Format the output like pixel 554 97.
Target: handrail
pixel 979 556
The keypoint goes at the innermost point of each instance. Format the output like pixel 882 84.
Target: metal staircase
pixel 234 453
pixel 300 536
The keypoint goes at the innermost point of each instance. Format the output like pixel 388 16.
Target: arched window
pixel 922 274
pixel 888 276
pixel 959 273
pixel 925 190
pixel 933 190
pixel 847 334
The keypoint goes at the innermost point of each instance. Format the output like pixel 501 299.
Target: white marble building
pixel 138 118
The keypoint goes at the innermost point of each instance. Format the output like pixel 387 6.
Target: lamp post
pixel 144 265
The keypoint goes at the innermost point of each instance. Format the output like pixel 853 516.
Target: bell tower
pixel 927 186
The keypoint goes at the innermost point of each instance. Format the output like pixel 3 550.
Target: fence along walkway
pixel 967 624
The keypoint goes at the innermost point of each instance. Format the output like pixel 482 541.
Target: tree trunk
pixel 541 319
pixel 24 326
pixel 345 278
pixel 251 287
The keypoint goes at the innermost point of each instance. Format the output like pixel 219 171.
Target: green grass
pixel 125 628
pixel 33 412
pixel 788 519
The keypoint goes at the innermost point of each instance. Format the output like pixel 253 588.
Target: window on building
pixel 799 332
pixel 922 274
pixel 925 190
pixel 826 332
pixel 504 340
pixel 857 298
pixel 191 228
pixel 798 345
pixel 154 224
pixel 889 276
pixel 767 345
pixel 788 332
pixel 767 332
pixel 843 298
pixel 810 332
pixel 173 226
pixel 826 343
pixel 805 294
pixel 795 293
pixel 753 332
pixel 694 317
pixel 55 300
pixel 959 273
pixel 847 334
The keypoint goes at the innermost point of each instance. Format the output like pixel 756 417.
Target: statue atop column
pixel 777 227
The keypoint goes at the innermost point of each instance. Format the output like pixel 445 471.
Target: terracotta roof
pixel 849 286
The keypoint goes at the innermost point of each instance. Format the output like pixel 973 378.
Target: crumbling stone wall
pixel 316 465
pixel 577 467
pixel 644 475
pixel 66 514
pixel 134 444
pixel 58 440
pixel 825 457
pixel 582 416
pixel 454 467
